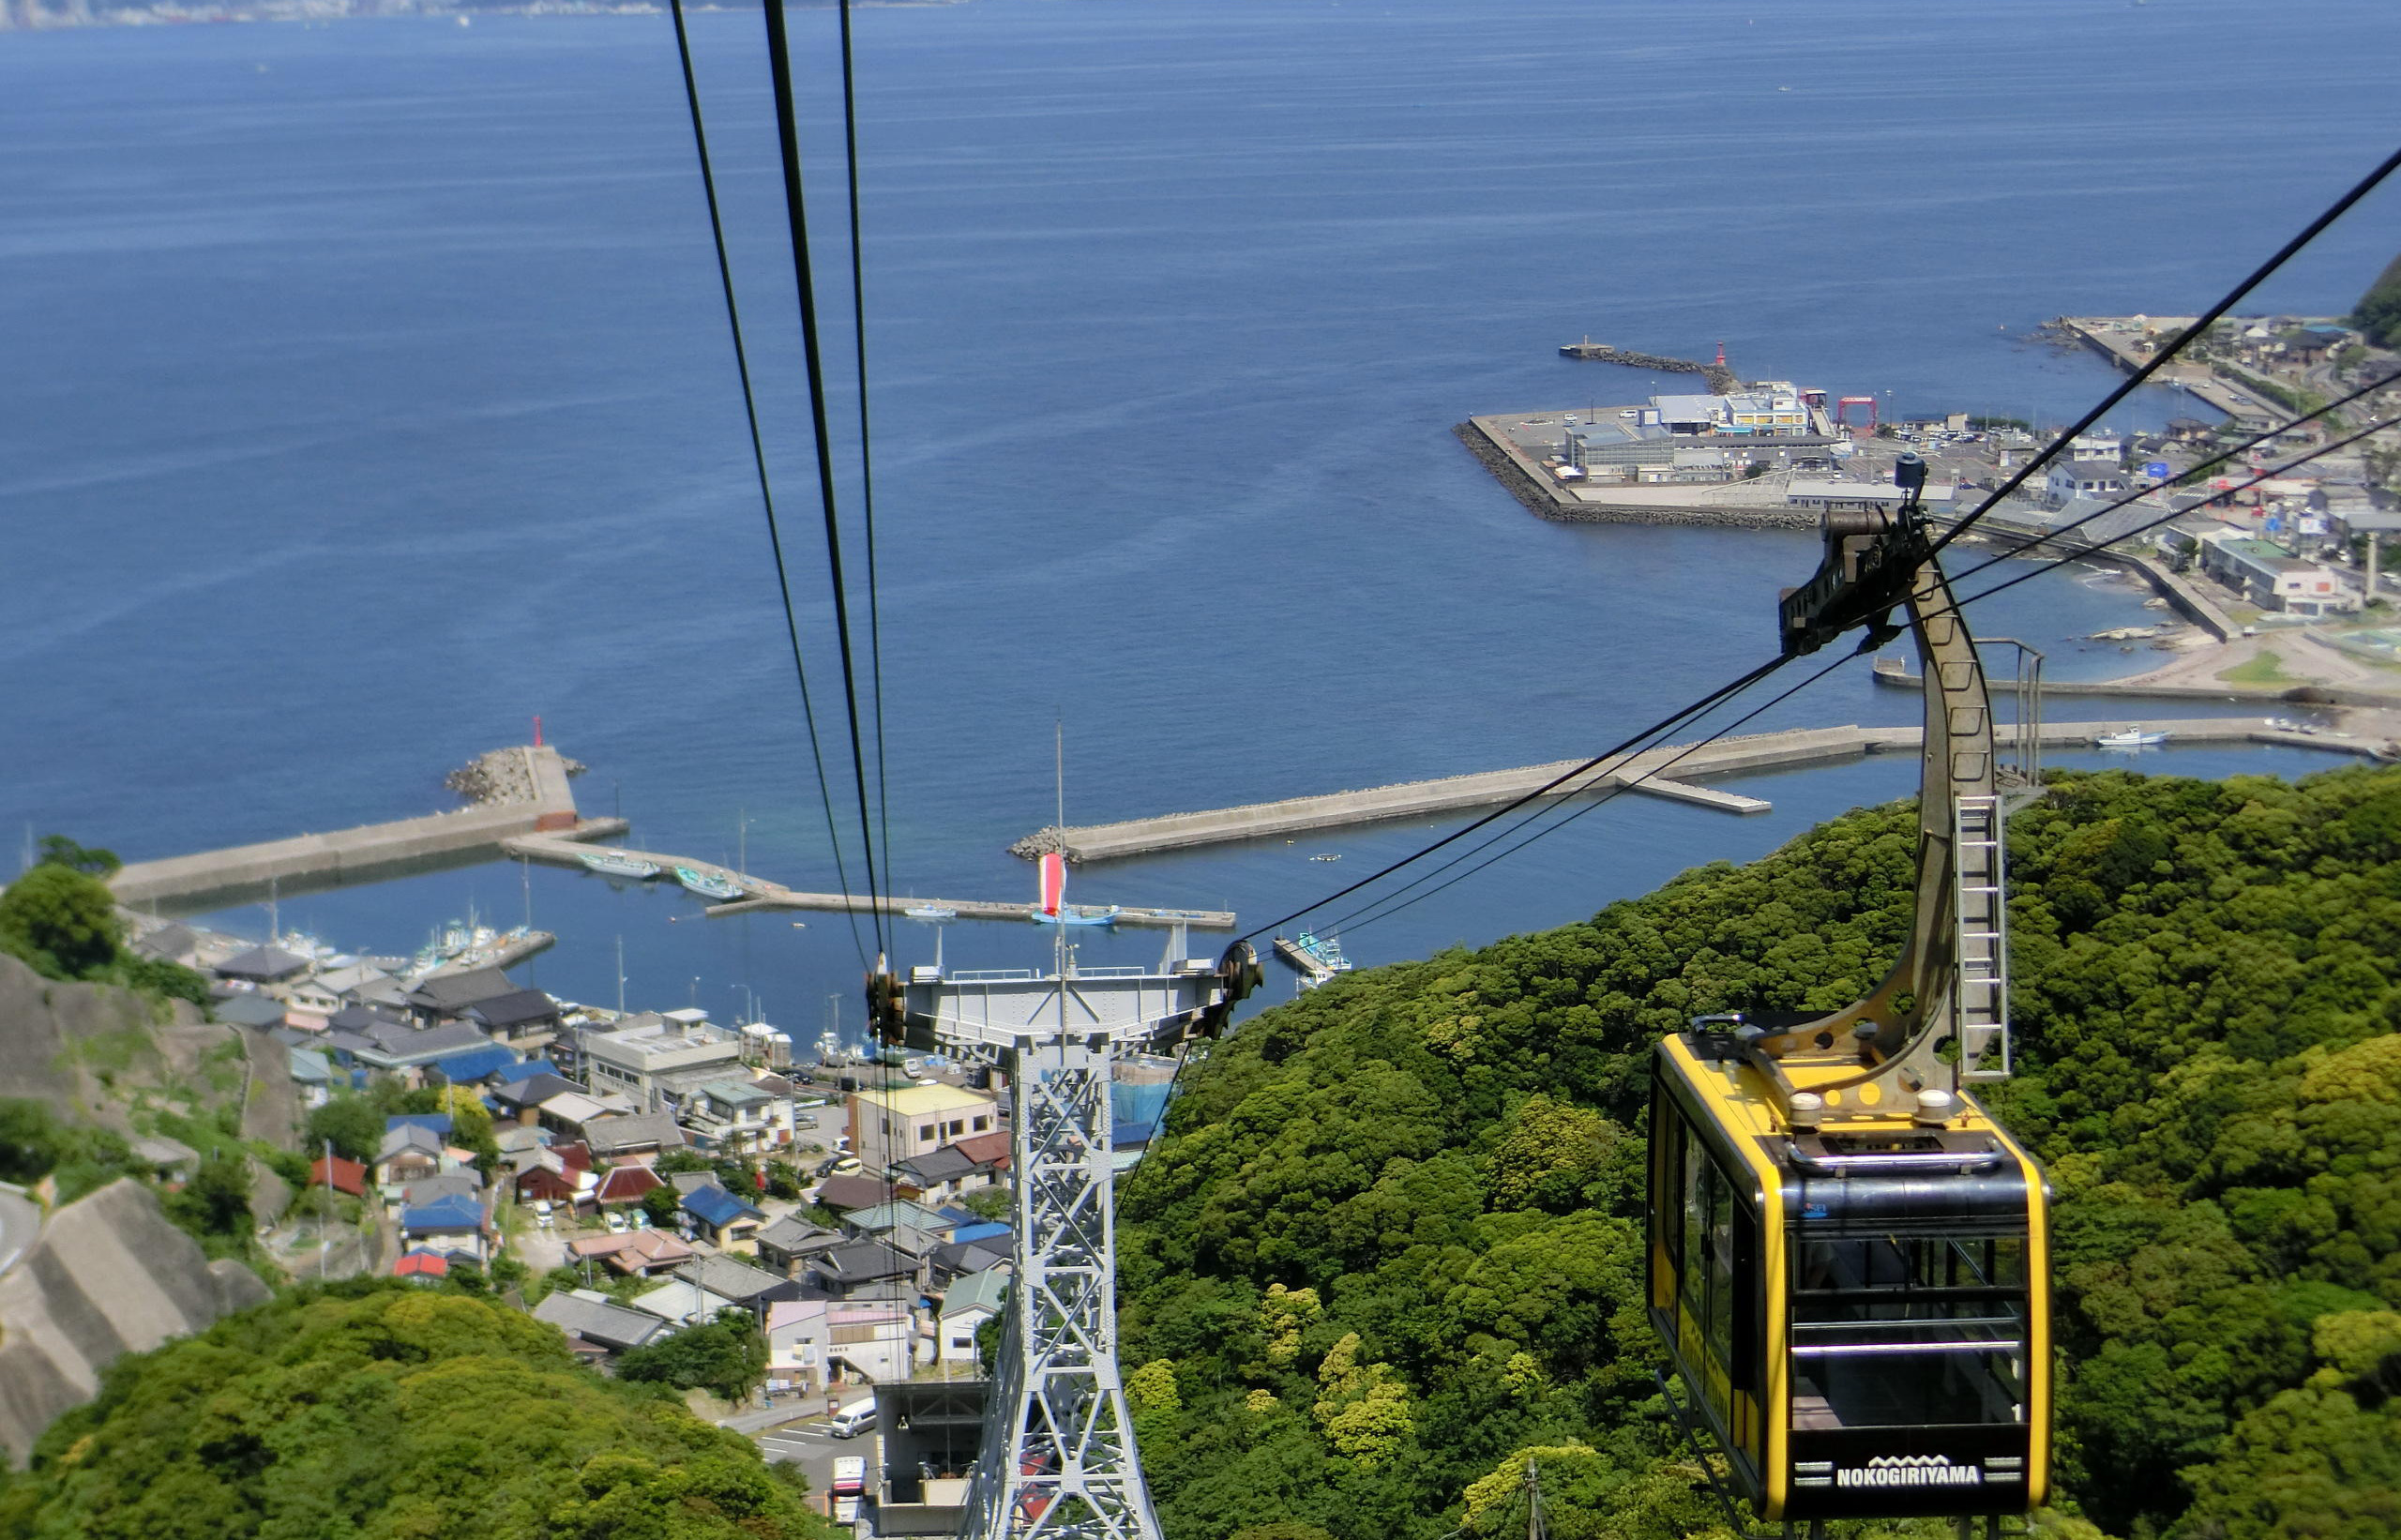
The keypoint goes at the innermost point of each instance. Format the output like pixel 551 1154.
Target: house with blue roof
pixel 475 1066
pixel 452 1222
pixel 432 1123
pixel 726 1221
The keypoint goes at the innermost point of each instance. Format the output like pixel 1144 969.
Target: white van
pixel 853 1420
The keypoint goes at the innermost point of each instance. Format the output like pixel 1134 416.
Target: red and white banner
pixel 1054 882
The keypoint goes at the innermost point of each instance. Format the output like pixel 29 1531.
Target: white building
pixel 2064 482
pixel 965 1306
pixel 638 1056
pixel 812 1343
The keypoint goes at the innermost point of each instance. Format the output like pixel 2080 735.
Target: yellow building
pixel 889 1126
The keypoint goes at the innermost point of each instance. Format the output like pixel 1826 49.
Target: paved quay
pixel 1491 788
pixel 534 794
pixel 760 892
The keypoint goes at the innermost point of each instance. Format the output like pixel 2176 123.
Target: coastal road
pixel 20 1222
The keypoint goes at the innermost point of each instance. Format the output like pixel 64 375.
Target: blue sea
pixel 367 393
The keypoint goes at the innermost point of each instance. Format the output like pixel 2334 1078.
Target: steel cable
pixel 759 461
pixel 805 281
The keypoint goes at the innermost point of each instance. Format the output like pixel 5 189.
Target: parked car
pixel 617 1221
pixel 853 1420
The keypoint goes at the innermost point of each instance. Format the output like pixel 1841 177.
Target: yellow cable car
pixel 1849 1260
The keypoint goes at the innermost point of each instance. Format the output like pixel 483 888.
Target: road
pixel 20 1222
pixel 807 1445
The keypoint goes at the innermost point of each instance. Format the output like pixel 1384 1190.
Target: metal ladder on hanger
pixel 1983 911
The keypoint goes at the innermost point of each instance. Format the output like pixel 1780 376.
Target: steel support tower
pixel 1058 1456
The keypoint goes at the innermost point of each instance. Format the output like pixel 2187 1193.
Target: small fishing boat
pixel 1078 914
pixel 930 912
pixel 618 864
pixel 709 884
pixel 2129 738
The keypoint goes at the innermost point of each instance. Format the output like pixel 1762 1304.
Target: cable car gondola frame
pixel 1848 1258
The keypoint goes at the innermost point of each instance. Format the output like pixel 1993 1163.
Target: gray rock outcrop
pixel 110 1276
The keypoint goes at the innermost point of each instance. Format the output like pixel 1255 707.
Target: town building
pixel 644 1056
pixel 734 1115
pixel 814 1343
pixel 590 1315
pixel 889 1126
pixel 723 1220
pixel 966 1305
pixel 2272 578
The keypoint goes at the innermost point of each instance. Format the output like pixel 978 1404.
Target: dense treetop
pixel 1391 1240
pixel 382 1410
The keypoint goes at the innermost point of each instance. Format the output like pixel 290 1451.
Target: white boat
pixel 618 864
pixel 930 912
pixel 2131 737
pixel 709 884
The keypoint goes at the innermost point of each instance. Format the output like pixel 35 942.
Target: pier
pixel 759 892
pixel 1722 381
pixel 1493 788
pixel 529 792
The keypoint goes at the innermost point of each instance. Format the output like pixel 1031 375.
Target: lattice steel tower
pixel 1058 1456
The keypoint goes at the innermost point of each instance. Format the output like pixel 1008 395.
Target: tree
pixel 727 1357
pixel 60 921
pixel 991 1203
pixel 2378 312
pixel 372 1409
pixel 352 1122
pixel 214 1205
pixel 471 1126
pixel 57 849
pixel 663 1204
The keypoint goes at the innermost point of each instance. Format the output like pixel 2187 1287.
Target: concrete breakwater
pixel 1510 469
pixel 1493 788
pixel 1892 675
pixel 1722 381
pixel 527 790
pixel 759 892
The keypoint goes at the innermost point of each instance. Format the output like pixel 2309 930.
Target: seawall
pixel 529 791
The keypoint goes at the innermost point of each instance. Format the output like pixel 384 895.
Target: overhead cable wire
pixel 2140 376
pixel 2177 344
pixel 1601 798
pixel 1385 908
pixel 867 454
pixel 2268 475
pixel 2052 535
pixel 1369 918
pixel 805 281
pixel 759 460
pixel 1732 686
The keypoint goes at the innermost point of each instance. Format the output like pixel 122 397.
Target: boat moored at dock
pixel 709 884
pixel 618 864
pixel 2131 737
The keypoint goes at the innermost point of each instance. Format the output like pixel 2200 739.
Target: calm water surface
pixel 367 393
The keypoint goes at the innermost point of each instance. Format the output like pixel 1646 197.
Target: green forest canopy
pixel 1392 1241
pixel 377 1410
pixel 2380 309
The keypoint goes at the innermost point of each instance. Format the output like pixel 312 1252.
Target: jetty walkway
pixel 1491 788
pixel 759 892
pixel 529 791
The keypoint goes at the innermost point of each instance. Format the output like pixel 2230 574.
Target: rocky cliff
pixel 108 1275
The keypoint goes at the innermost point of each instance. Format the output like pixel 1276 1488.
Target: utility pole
pixel 620 976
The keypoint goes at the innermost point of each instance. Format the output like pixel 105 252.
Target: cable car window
pixel 1909 1330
